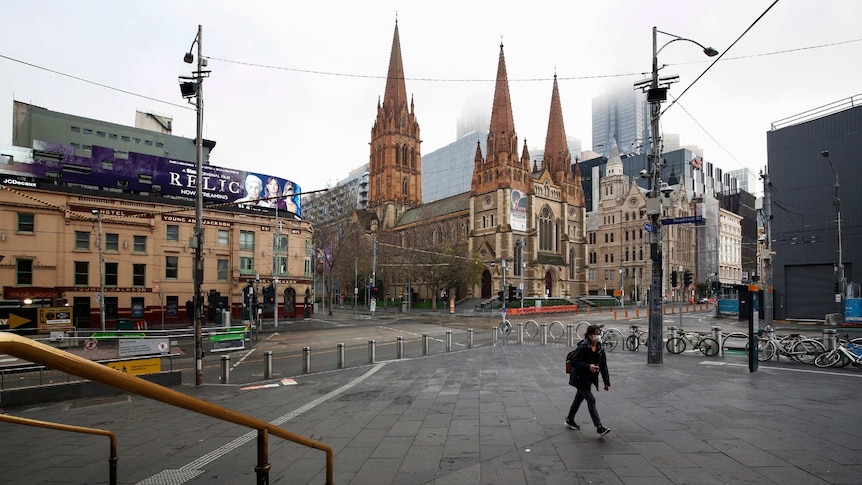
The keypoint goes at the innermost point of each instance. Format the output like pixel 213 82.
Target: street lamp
pixel 192 87
pixel 98 214
pixel 841 281
pixel 656 94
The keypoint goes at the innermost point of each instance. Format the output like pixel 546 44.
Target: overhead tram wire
pixel 101 85
pixel 720 56
pixel 328 73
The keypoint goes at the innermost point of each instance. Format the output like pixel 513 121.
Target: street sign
pixel 649 228
pixel 682 220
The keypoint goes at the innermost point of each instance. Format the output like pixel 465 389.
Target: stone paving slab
pixel 491 415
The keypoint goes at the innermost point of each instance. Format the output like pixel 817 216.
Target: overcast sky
pixel 308 116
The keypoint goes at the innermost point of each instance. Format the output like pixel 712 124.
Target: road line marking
pixel 210 457
pixel 843 374
pixel 240 361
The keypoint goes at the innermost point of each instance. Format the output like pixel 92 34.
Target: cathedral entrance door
pixel 486 284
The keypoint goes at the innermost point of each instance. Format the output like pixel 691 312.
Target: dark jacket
pixel 581 377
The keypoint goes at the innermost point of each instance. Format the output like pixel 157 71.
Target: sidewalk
pixel 491 415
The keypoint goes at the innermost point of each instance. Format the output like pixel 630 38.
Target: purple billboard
pixel 139 173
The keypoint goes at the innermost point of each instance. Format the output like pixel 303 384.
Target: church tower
pixel 502 167
pixel 557 160
pixel 395 161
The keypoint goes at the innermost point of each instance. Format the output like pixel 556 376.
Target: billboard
pixel 55 163
pixel 518 210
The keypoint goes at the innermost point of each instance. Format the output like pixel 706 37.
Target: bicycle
pixel 795 346
pixel 610 337
pixel 706 345
pixel 636 338
pixel 847 352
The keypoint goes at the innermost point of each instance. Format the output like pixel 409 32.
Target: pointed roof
pixel 556 146
pixel 615 162
pixel 396 90
pixel 502 119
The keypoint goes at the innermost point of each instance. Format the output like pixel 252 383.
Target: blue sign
pixel 649 228
pixel 682 220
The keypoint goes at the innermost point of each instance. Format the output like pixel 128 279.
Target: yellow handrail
pixel 112 459
pixel 57 359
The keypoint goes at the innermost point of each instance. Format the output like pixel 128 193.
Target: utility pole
pixel 655 96
pixel 766 254
pixel 193 87
pixel 98 215
pixel 842 282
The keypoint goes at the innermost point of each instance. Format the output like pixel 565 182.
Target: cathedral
pixel 523 225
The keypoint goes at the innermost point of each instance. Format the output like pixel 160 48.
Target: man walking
pixel 587 362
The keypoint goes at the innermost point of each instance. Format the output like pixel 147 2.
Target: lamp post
pixel 98 214
pixel 276 270
pixel 194 89
pixel 657 94
pixel 841 281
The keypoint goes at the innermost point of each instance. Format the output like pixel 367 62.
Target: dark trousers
pixel 581 396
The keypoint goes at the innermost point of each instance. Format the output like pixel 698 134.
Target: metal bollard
pixel 830 338
pixel 448 341
pixel 671 332
pixel 267 364
pixel 306 360
pixel 225 369
pixel 544 334
pixel 494 331
pixel 520 333
pixel 716 335
pixel 570 334
pixel 469 338
pixel 424 344
pixel 372 352
pixel 339 356
pixel 399 348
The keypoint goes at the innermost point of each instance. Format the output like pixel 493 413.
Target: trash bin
pixel 125 324
pixel 403 306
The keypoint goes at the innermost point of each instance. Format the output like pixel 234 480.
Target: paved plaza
pixel 488 415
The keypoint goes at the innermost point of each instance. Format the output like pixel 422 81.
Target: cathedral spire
pixel 396 90
pixel 395 160
pixel 556 158
pixel 502 120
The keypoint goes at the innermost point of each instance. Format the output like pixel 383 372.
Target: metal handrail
pixel 112 459
pixel 57 359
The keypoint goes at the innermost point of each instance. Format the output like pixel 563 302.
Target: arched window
pixel 492 220
pixel 484 222
pixel 404 186
pixel 413 158
pixel 546 230
pixel 397 155
pixel 404 155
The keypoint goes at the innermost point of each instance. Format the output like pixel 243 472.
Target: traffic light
pixel 673 279
pixel 513 293
pixel 687 278
pixel 374 292
pixel 837 289
pixel 500 295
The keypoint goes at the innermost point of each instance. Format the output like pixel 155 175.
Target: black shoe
pixel 601 430
pixel 572 424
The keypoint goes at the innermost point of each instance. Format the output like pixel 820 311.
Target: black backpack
pixel 569 361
